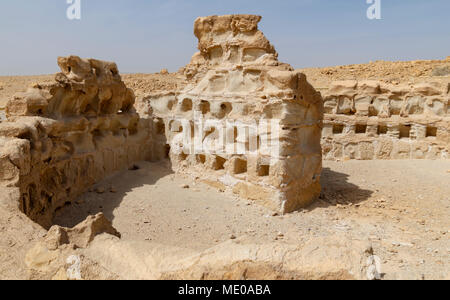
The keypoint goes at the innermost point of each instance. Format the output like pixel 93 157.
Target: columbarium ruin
pixel 59 139
pixel 372 120
pixel 244 121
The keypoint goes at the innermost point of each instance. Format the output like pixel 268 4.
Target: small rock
pixel 232 237
pixel 184 186
pixel 134 168
pixel 113 190
pixel 100 190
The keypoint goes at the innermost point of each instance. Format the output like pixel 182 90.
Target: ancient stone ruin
pixel 372 120
pixel 62 138
pixel 244 121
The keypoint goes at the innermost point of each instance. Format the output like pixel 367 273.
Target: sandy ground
pixel 10 85
pixel 401 207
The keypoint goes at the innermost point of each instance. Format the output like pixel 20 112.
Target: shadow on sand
pixel 336 189
pixel 113 191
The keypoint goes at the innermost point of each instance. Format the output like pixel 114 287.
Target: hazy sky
pixel 148 35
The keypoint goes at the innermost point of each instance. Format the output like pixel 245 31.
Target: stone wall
pixel 61 138
pixel 237 84
pixel 371 120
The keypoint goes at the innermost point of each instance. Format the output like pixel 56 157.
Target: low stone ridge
pixel 372 120
pixel 237 79
pixel 107 257
pixel 81 235
pixel 63 137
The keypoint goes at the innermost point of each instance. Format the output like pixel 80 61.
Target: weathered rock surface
pixel 81 235
pixel 48 259
pixel 239 96
pixel 61 138
pixel 372 120
pixel 319 258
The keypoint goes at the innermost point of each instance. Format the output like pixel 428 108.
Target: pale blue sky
pixel 148 35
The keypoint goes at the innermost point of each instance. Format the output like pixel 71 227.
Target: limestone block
pixel 402 150
pixel 362 105
pixel 384 148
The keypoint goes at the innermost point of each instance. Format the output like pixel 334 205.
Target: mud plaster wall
pixel 62 138
pixel 236 77
pixel 371 120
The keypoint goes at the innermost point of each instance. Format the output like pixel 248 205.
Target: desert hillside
pixel 386 71
pixel 320 78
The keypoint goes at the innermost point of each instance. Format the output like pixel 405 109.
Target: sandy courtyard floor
pixel 401 207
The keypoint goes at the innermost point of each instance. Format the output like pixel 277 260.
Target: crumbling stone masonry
pixel 237 79
pixel 62 138
pixel 371 120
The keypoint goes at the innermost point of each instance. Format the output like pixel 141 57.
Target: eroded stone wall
pixel 236 78
pixel 63 137
pixel 371 120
